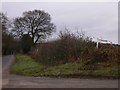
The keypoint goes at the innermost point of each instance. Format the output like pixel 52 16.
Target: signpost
pixel 101 40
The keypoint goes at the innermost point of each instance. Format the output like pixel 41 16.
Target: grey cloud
pixel 97 19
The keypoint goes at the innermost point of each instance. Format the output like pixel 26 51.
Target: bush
pixel 68 48
pixel 107 54
pixel 72 48
pixel 26 43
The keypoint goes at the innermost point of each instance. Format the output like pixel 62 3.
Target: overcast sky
pixel 99 20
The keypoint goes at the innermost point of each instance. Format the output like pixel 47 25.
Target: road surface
pixel 7 61
pixel 16 81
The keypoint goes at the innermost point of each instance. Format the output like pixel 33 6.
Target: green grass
pixel 24 65
pixel 79 70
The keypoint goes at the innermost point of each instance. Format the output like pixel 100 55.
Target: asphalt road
pixel 15 81
pixel 7 62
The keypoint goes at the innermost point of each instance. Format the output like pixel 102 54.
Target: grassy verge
pixel 24 65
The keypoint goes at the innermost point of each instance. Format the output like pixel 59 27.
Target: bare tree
pixel 35 23
pixel 4 21
pixel 8 41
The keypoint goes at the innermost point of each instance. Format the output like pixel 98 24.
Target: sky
pixel 96 19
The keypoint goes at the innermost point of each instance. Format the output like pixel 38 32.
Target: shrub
pixel 107 54
pixel 68 48
pixel 72 48
pixel 26 43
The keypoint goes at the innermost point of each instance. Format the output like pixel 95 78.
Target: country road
pixel 16 81
pixel 6 62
